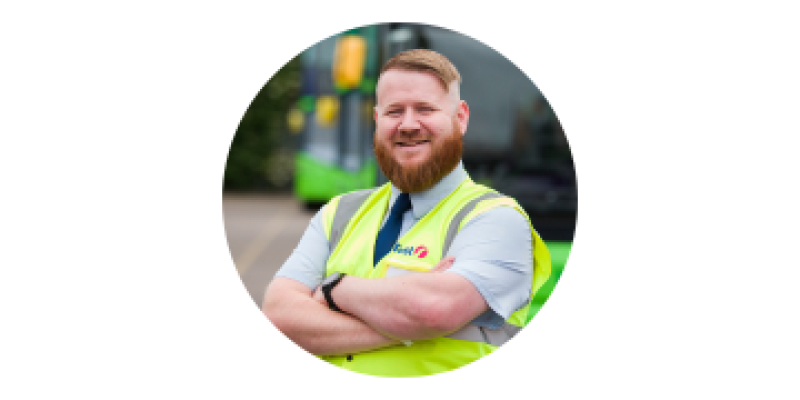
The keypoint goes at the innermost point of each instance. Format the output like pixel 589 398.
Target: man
pixel 422 275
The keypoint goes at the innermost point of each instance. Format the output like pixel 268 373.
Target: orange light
pixel 348 61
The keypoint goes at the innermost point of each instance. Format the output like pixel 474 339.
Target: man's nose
pixel 410 122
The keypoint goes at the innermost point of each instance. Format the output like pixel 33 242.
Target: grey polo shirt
pixel 492 251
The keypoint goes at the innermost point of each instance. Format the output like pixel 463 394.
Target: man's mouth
pixel 411 143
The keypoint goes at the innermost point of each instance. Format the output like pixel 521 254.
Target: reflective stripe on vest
pixel 349 203
pixel 495 337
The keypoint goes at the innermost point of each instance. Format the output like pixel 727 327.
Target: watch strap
pixel 326 292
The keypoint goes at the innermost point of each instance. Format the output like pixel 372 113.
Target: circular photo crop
pixel 400 200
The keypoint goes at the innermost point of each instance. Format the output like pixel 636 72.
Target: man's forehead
pixel 421 82
pixel 400 75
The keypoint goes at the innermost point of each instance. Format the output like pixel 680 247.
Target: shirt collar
pixel 424 201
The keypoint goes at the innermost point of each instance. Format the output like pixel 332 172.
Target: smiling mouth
pixel 411 143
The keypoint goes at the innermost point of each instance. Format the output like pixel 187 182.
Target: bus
pixel 514 142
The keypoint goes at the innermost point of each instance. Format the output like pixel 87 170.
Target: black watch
pixel 332 280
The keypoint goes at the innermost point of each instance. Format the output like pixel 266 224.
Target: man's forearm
pixel 415 306
pixel 316 328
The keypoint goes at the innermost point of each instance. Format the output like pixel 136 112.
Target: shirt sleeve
pixel 493 251
pixel 306 264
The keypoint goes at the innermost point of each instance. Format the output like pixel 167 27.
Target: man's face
pixel 419 129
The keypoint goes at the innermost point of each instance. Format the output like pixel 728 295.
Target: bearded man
pixel 426 273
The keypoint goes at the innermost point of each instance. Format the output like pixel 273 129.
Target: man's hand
pixel 443 265
pixel 319 296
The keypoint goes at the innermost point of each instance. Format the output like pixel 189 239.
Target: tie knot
pixel 401 205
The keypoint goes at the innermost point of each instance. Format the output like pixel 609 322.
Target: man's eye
pixel 425 109
pixel 393 112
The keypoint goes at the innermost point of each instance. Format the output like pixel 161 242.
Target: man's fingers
pixel 318 296
pixel 444 264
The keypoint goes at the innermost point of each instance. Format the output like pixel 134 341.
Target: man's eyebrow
pixel 415 103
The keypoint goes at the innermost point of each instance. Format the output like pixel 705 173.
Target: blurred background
pixel 307 137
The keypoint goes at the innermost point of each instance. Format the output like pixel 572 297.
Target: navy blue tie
pixel 391 230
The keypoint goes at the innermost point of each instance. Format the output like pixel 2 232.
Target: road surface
pixel 262 232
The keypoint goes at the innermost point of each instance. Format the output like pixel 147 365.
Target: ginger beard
pixel 410 178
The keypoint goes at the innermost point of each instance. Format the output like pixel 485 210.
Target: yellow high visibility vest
pixel 352 222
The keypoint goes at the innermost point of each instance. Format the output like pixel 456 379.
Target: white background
pixel 116 278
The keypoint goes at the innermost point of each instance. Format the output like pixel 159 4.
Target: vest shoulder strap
pixel 349 203
pixel 327 215
pixel 455 224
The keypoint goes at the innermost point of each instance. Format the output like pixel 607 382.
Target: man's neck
pixel 425 200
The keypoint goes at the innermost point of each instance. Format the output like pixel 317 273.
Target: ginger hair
pixel 422 60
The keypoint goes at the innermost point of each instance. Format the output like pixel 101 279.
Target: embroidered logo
pixel 419 251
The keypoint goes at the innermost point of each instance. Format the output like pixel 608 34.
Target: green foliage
pixel 261 135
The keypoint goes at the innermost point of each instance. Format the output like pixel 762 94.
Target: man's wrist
pixel 327 288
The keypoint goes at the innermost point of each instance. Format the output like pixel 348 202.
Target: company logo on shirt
pixel 419 251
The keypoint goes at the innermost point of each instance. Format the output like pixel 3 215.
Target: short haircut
pixel 423 60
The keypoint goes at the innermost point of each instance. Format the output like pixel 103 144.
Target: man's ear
pixel 462 115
